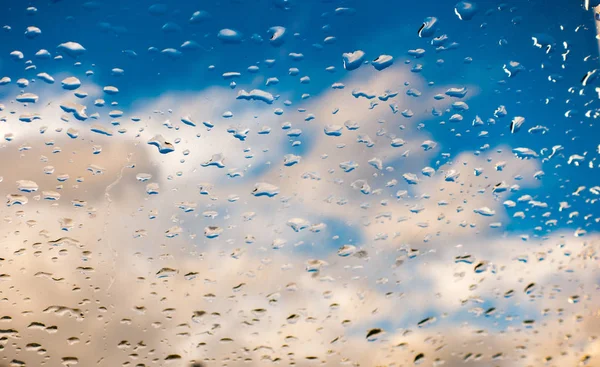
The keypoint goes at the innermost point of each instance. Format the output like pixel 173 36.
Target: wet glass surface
pixel 308 183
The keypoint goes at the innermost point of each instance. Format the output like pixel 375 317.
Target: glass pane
pixel 299 182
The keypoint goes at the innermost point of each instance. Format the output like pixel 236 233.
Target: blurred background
pixel 323 182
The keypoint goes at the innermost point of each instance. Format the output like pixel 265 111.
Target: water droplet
pixel 72 49
pixel 346 250
pixel 353 60
pixel 382 62
pixel 71 83
pixel 277 35
pixel 465 10
pixel 227 35
pixel 265 189
pixel 32 32
pixel 163 146
pixel 374 334
pixel 256 95
pixel 428 27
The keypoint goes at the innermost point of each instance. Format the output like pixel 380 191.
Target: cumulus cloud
pixel 112 272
